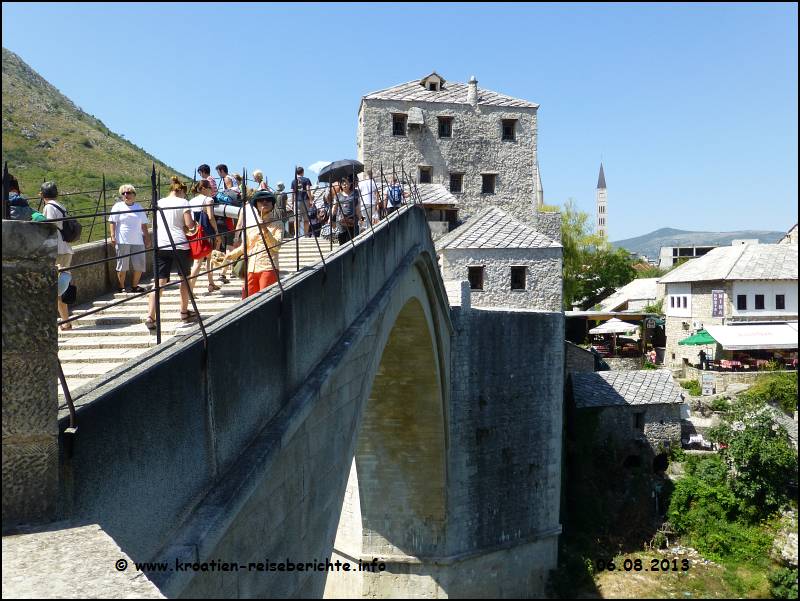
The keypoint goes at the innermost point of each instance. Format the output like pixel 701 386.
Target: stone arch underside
pixel 395 501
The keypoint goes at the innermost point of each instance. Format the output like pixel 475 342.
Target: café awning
pixel 701 337
pixel 615 326
pixel 755 336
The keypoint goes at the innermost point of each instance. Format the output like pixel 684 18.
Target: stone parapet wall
pixel 624 363
pixel 30 372
pixel 98 279
pixel 724 379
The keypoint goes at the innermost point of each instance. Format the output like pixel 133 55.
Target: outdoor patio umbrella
pixel 339 169
pixel 614 326
pixel 701 337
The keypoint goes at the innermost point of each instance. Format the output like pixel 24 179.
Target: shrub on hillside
pixel 776 388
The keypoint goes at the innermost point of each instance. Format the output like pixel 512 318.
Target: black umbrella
pixel 339 169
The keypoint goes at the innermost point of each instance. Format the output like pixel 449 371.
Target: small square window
pixel 488 183
pixel 456 183
pixel 475 275
pixel 759 301
pixel 518 278
pixel 780 301
pixel 425 175
pixel 433 87
pixel 399 124
pixel 445 127
pixel 509 129
pixel 741 302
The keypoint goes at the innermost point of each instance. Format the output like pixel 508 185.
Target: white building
pixel 732 286
pixel 479 144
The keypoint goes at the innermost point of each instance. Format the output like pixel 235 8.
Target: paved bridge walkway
pixel 106 340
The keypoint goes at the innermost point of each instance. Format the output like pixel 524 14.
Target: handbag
pixel 70 295
pixel 199 246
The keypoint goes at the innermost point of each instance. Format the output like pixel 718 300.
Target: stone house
pixel 751 283
pixel 479 144
pixel 637 410
pixel 507 263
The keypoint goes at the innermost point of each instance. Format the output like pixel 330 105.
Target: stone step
pixel 88 370
pixel 114 342
pixel 135 309
pixel 117 330
pixel 93 355
pixel 74 385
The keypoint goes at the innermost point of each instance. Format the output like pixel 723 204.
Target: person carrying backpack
pixel 395 196
pixel 55 210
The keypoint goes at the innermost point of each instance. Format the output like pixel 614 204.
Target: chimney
pixel 472 91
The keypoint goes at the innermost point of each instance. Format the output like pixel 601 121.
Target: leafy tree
pixel 590 265
pixel 762 461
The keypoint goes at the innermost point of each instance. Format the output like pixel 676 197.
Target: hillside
pixel 47 137
pixel 649 244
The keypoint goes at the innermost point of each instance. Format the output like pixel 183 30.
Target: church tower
pixel 601 223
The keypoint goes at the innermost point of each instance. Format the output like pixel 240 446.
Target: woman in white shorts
pixel 129 234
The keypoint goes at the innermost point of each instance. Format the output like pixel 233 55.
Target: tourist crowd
pixel 203 229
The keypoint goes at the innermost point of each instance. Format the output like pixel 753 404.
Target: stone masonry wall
pixel 577 359
pixel 549 224
pixel 662 424
pixel 475 147
pixel 543 281
pixel 506 435
pixel 30 364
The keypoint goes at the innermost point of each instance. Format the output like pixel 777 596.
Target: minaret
pixel 602 208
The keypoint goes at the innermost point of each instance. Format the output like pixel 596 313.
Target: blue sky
pixel 693 108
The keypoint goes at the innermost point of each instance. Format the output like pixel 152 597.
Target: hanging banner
pixel 717 303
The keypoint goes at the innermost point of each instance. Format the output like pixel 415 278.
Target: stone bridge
pixel 355 416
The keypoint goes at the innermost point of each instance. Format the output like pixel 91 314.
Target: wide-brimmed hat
pixel 263 195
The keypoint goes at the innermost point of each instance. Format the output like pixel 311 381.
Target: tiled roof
pixel 494 228
pixel 638 289
pixel 435 194
pixel 741 262
pixel 451 92
pixel 619 388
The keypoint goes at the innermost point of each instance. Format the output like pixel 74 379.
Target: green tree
pixel 590 264
pixel 762 461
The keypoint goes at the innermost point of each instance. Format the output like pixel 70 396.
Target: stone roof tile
pixel 619 388
pixel 494 228
pixel 451 93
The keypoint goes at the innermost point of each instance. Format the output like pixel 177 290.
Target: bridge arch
pixel 395 502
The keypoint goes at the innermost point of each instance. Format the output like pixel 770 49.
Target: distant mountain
pixel 649 244
pixel 47 137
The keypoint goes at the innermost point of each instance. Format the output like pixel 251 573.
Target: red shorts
pixel 258 280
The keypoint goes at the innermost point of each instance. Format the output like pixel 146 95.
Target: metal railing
pixel 330 198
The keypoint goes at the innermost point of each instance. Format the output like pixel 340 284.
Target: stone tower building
pixel 601 197
pixel 480 145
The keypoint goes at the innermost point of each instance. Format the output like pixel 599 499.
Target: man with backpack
pixel 395 196
pixel 68 230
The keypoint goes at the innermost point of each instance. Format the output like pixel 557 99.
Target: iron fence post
pixel 6 192
pixel 105 231
pixel 156 286
pixel 244 231
pixel 296 220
